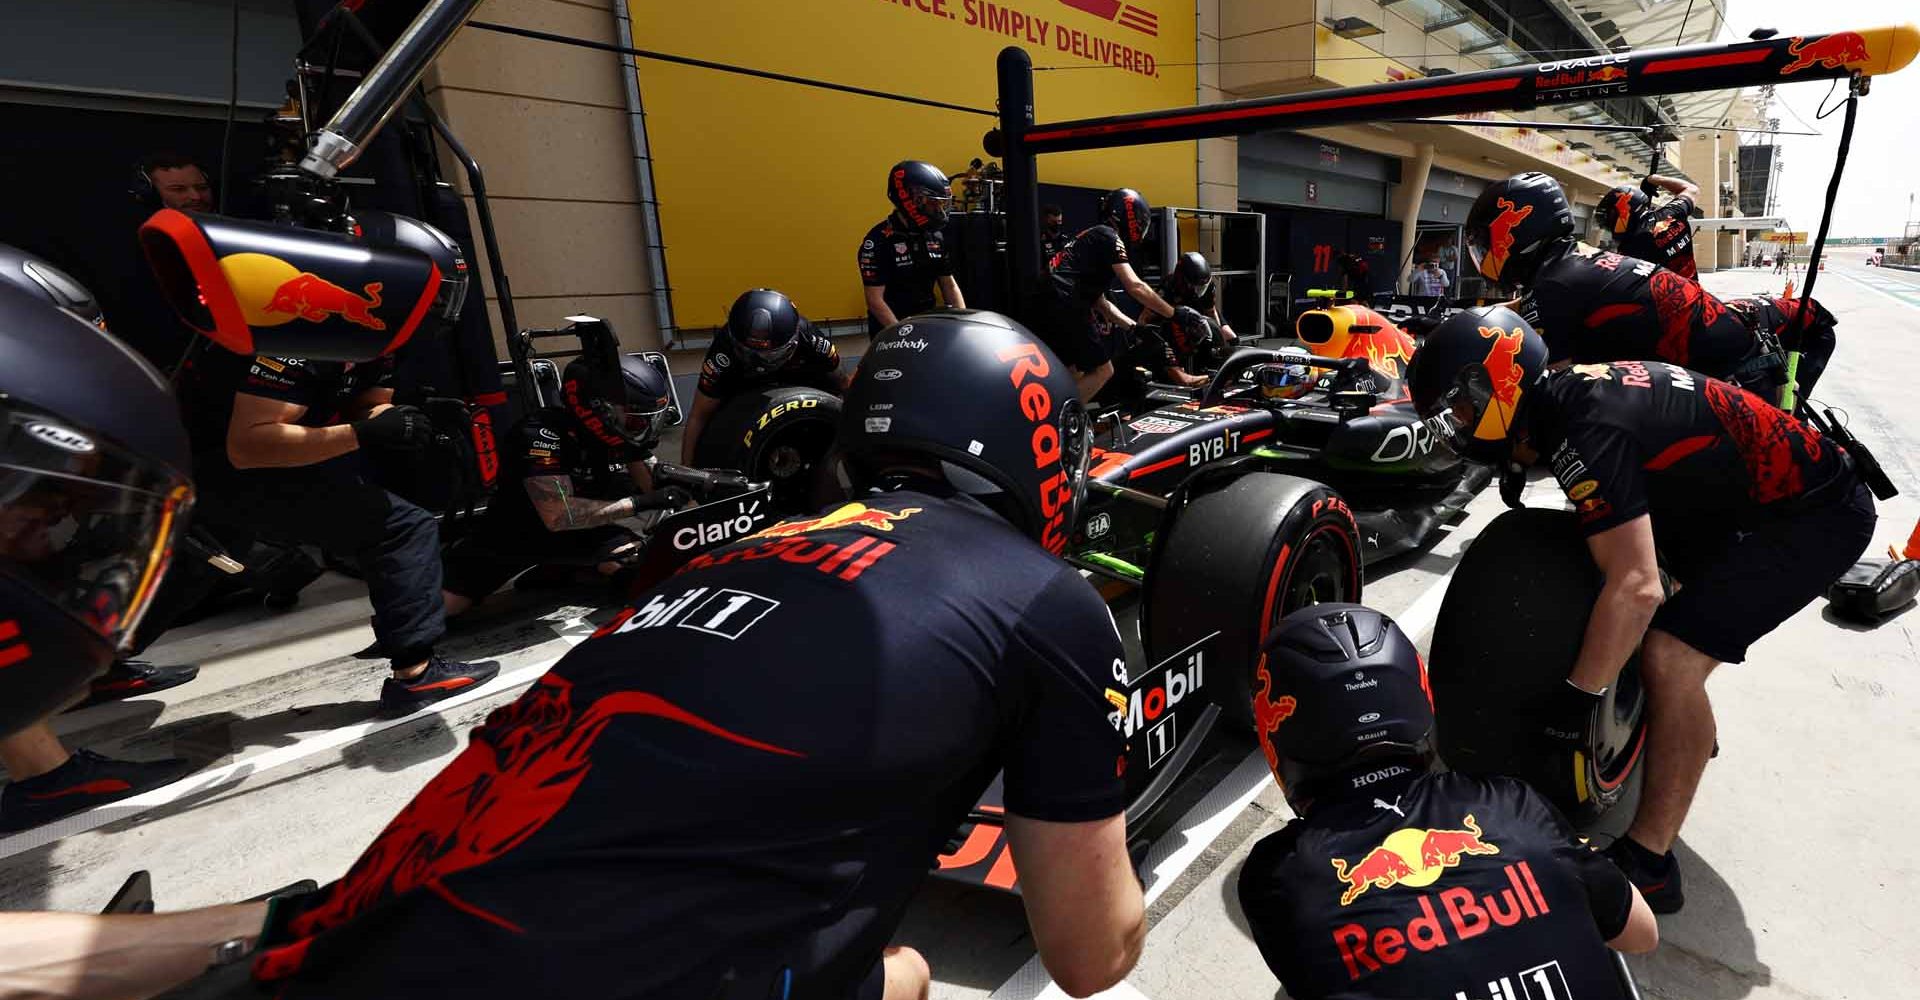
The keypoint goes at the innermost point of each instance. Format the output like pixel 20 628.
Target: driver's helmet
pixel 1127 211
pixel 1622 210
pixel 1515 224
pixel 1476 367
pixel 1189 331
pixel 1341 697
pixel 920 193
pixel 94 491
pixel 1192 276
pixel 976 397
pixel 763 330
pixel 1289 379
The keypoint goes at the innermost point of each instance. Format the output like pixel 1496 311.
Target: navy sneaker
pixel 1656 876
pixel 84 781
pixel 441 679
pixel 132 678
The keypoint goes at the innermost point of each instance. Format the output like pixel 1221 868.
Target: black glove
pixel 1513 484
pixel 1648 188
pixel 400 428
pixel 1566 714
pixel 664 498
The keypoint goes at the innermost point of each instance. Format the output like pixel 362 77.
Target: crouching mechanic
pixel 1593 306
pixel 1753 515
pixel 570 496
pixel 766 342
pixel 1398 882
pixel 1155 352
pixel 1072 310
pixel 288 471
pixel 1191 284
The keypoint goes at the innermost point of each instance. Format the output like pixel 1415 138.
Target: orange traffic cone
pixel 1788 294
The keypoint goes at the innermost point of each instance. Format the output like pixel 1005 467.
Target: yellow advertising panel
pixel 769 183
pixel 1783 238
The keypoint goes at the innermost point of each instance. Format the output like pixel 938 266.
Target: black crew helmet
pixel 763 328
pixel 1127 211
pixel 629 405
pixel 1622 210
pixel 977 396
pixel 1515 224
pixel 920 193
pixel 1192 273
pixel 1477 367
pixel 94 491
pixel 1342 701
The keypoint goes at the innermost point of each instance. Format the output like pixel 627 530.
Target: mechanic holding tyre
pixel 563 511
pixel 1595 306
pixel 823 740
pixel 1399 882
pixel 1157 352
pixel 1073 311
pixel 904 257
pixel 766 342
pixel 1751 513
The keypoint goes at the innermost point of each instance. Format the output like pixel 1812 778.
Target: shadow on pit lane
pixel 971 937
pixel 1706 950
pixel 1827 615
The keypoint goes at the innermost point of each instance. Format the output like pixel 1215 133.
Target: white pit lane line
pixel 1210 817
pixel 573 630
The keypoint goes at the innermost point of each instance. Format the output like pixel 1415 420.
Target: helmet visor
pixel 645 421
pixel 931 207
pixel 89 526
pixel 1477 251
pixel 1285 381
pixel 1475 419
pixel 760 360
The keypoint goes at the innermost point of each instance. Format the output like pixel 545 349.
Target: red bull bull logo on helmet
pixel 1410 857
pixel 1840 49
pixel 1500 237
pixel 1504 371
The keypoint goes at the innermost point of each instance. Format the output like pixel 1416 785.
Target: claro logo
pixel 1125 15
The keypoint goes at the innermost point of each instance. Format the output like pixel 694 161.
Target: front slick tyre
pixel 1235 557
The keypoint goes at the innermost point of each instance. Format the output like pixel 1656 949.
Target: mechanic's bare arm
pixel 703 407
pixel 1083 901
pixel 950 293
pixel 877 305
pixel 263 434
pixel 1181 376
pixel 368 404
pixel 77 956
pixel 1627 602
pixel 1642 933
pixel 1674 185
pixel 1113 313
pixel 641 475
pixel 1141 291
pixel 1226 332
pixel 563 510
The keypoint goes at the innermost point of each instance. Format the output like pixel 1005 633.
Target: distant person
pixel 1396 882
pixel 1053 230
pixel 1428 281
pixel 136 311
pixel 174 181
pixel 904 258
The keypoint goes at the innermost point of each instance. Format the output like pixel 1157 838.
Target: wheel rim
pixel 789 460
pixel 1319 575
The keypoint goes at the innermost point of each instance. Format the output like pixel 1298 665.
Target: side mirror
pixel 1351 402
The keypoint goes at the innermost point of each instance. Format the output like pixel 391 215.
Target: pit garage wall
pixel 769 183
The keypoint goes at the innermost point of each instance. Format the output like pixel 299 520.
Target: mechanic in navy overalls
pixel 904 258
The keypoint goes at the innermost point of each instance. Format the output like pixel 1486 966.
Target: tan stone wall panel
pixel 1249 17
pixel 505 64
pixel 570 248
pixel 542 149
pixel 1248 66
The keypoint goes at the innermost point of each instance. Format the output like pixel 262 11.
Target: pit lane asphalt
pixel 1799 852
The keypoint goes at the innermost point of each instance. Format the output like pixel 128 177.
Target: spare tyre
pixel 1509 630
pixel 779 435
pixel 1236 552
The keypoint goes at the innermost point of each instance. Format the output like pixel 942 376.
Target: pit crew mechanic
pixel 903 258
pixel 1595 306
pixel 1073 310
pixel 1752 513
pixel 560 498
pixel 1663 235
pixel 1398 882
pixel 1191 284
pixel 838 783
pixel 1159 351
pixel 274 454
pixel 766 342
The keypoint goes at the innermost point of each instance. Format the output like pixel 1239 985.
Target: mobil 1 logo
pixel 1542 982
